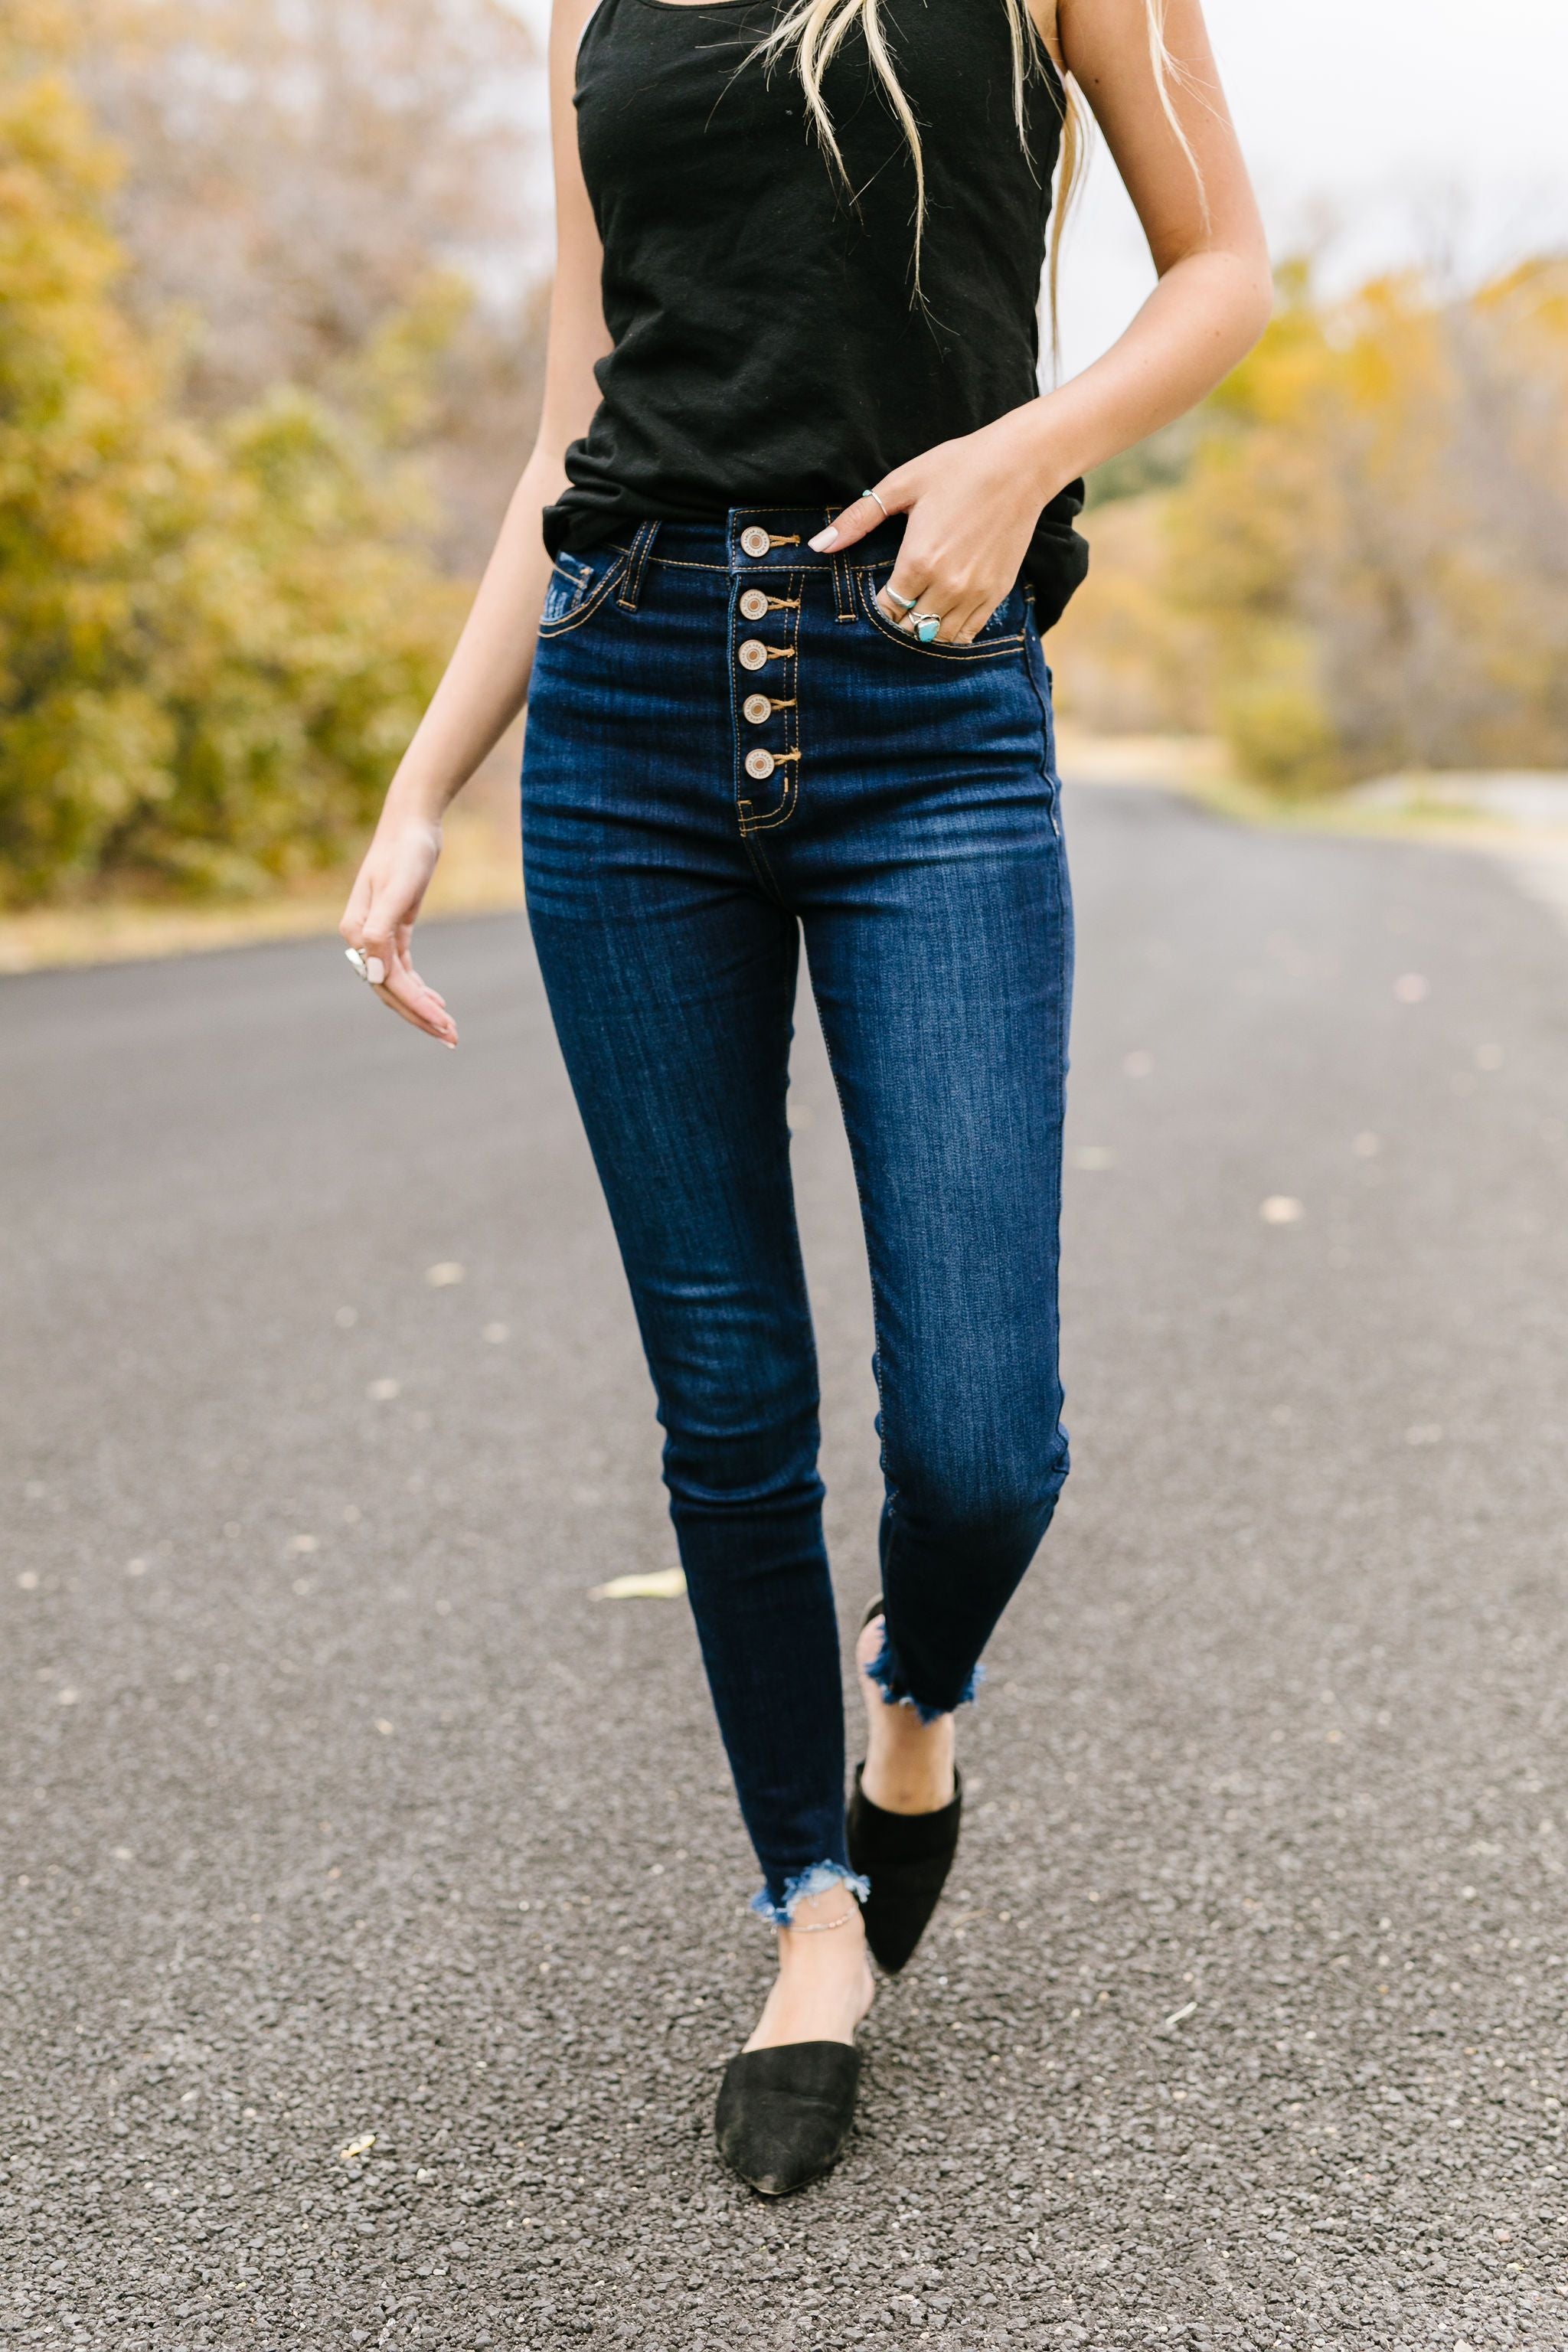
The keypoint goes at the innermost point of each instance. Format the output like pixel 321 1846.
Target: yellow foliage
pixel 1368 555
pixel 214 640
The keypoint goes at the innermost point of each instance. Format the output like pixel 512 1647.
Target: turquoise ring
pixel 926 625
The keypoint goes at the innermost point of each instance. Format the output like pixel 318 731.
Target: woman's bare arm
pixel 972 503
pixel 486 681
pixel 1215 291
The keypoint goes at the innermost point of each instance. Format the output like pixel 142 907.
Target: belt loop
pixel 844 587
pixel 638 555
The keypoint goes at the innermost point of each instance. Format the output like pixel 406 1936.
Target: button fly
pixel 759 764
pixel 753 603
pixel 753 654
pixel 755 539
pixel 757 708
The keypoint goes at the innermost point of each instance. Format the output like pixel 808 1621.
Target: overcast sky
pixel 1411 127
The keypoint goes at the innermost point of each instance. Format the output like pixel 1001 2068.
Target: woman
pixel 796 520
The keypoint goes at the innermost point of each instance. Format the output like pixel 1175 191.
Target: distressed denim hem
pixel 883 1671
pixel 801 1888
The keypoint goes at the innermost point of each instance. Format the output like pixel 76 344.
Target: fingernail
pixel 824 539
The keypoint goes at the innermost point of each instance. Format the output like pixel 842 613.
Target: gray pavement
pixel 334 1807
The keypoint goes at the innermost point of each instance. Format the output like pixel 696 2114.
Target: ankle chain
pixel 821 1927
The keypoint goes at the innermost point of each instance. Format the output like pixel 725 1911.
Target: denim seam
pixel 842 589
pixel 590 605
pixel 790 603
pixel 577 580
pixel 987 649
pixel 755 855
pixel 889 1486
pixel 636 565
pixel 1047 737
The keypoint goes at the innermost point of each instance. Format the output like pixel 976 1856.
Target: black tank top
pixel 769 345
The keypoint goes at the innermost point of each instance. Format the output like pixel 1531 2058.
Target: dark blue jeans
pixel 728 747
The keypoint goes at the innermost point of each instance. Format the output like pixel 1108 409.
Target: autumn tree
pixel 215 638
pixel 302 173
pixel 1364 566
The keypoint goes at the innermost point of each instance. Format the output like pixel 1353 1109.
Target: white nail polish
pixel 824 539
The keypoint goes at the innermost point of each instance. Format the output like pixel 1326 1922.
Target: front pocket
pixel 991 643
pixel 578 586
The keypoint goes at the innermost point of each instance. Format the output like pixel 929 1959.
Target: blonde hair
pixel 816 29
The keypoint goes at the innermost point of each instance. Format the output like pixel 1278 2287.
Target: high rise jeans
pixel 728 747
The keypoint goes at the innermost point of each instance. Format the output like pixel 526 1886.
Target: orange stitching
pixel 978 649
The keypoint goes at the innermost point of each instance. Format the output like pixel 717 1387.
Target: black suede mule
pixel 784 2115
pixel 906 1857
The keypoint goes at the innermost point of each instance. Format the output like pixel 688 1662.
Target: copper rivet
pixel 753 603
pixel 759 763
pixel 752 654
pixel 755 539
pixel 757 708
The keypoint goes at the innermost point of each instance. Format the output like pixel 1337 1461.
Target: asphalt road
pixel 334 1806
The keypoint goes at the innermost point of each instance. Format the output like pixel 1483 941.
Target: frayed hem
pixel 801 1889
pixel 883 1672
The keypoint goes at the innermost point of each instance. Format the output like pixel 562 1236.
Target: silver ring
pixel 877 501
pixel 904 604
pixel 370 969
pixel 926 627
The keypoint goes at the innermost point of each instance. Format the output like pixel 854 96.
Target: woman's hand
pixel 972 505
pixel 379 917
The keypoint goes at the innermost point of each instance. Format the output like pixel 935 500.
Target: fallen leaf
pixel 661 1584
pixel 360 2147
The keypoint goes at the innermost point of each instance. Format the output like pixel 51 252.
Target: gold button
pixel 753 603
pixel 757 708
pixel 753 654
pixel 759 763
pixel 755 539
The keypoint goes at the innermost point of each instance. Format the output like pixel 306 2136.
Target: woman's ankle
pixel 910 1766
pixel 908 1776
pixel 825 1985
